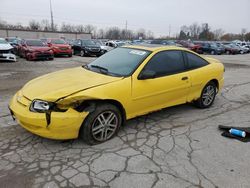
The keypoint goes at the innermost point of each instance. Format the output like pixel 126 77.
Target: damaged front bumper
pixel 62 125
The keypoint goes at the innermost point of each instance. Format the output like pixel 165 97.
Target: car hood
pixel 63 83
pixel 5 47
pixel 39 48
pixel 60 45
pixel 93 46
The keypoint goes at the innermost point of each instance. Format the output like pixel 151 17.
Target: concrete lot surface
pixel 175 147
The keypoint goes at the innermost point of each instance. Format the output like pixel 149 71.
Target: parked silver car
pixel 6 51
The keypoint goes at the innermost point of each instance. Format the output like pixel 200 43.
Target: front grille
pixel 95 49
pixel 5 51
pixel 43 55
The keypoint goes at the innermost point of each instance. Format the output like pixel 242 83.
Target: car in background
pixel 59 47
pixel 231 49
pixel 115 43
pixel 35 49
pixel 211 48
pixel 70 41
pixel 165 42
pixel 103 46
pixel 93 101
pixel 243 49
pixel 44 40
pixel 6 51
pixel 191 46
pixel 86 47
pixel 15 42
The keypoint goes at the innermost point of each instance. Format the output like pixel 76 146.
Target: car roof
pixel 154 47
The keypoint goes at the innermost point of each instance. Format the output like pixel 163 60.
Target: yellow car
pixel 94 100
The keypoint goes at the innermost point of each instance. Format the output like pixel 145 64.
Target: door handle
pixel 184 78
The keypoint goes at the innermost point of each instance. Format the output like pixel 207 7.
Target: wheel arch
pixel 90 105
pixel 216 82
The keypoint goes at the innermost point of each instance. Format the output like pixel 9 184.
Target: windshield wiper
pixel 102 69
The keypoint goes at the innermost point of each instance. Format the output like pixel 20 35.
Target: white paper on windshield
pixel 137 52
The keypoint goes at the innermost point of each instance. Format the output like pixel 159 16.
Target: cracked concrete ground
pixel 175 147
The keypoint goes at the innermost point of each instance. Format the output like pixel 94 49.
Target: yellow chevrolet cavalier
pixel 93 101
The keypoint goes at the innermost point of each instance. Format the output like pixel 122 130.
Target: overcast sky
pixel 154 15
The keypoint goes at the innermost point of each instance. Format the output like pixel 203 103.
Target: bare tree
pixel 67 28
pixel 34 25
pixel 80 28
pixel 218 33
pixel 141 33
pixel 194 30
pixel 45 25
pixel 243 32
pixel 113 33
pixel 3 24
pixel 150 34
pixel 100 33
pixel 89 28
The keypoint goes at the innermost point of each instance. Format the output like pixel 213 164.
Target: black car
pixel 211 48
pixel 86 47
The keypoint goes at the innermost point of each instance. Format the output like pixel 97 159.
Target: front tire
pixel 207 96
pixel 82 54
pixel 101 124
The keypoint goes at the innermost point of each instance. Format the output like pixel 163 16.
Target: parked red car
pixel 34 49
pixel 191 46
pixel 60 47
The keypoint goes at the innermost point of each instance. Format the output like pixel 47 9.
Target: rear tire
pixel 207 95
pixel 101 125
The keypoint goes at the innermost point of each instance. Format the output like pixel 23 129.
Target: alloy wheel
pixel 82 53
pixel 208 95
pixel 104 126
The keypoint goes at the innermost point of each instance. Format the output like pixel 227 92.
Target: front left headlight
pixel 41 106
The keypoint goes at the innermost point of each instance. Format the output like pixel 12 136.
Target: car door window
pixel 195 61
pixel 166 63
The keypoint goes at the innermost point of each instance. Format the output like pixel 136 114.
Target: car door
pixel 77 46
pixel 198 74
pixel 169 86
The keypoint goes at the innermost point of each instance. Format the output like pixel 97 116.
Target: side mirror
pixel 146 74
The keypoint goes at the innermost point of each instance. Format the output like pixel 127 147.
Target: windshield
pixel 99 43
pixel 2 41
pixel 120 61
pixel 57 41
pixel 88 42
pixel 34 43
pixel 11 39
pixel 214 45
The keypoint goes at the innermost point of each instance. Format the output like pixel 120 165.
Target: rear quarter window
pixel 195 61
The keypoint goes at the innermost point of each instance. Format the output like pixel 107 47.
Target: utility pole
pixel 169 30
pixel 126 29
pixel 51 16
